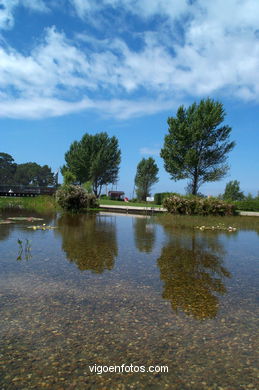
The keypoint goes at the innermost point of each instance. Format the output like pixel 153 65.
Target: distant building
pixel 116 195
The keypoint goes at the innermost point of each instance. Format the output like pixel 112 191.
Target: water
pixel 108 290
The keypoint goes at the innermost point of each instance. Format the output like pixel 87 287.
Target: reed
pixel 37 203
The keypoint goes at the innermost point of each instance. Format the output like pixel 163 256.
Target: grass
pixel 37 203
pixel 133 204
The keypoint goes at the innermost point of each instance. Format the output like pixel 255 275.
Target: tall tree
pixel 95 158
pixel 196 147
pixel 34 174
pixel 146 176
pixel 232 191
pixel 7 169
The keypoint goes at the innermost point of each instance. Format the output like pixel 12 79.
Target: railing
pixel 20 190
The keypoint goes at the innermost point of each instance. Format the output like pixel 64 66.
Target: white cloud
pixel 83 7
pixel 143 8
pixel 7 9
pixel 150 151
pixel 218 54
pixel 37 107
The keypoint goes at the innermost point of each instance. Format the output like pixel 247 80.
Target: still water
pixel 109 289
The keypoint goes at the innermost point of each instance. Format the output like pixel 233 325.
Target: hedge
pixel 247 205
pixel 198 206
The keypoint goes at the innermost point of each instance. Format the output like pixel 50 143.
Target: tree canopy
pixel 232 191
pixel 34 174
pixel 196 147
pixel 7 169
pixel 146 176
pixel 94 158
pixel 26 174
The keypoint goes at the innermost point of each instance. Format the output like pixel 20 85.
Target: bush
pixel 198 206
pixel 74 198
pixel 247 205
pixel 159 197
pixel 134 200
pixel 103 196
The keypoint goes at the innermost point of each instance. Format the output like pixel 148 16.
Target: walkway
pixel 132 209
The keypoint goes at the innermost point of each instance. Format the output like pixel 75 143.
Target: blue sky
pixel 124 66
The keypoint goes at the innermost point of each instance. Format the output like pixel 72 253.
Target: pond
pixel 171 308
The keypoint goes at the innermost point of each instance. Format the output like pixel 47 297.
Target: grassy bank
pixel 121 203
pixel 37 203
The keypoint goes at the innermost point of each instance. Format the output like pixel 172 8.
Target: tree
pixel 34 174
pixel 95 158
pixel 69 177
pixel 196 147
pixel 7 169
pixel 232 191
pixel 145 177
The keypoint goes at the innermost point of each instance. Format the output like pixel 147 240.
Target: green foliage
pixel 146 176
pixel 75 198
pixel 94 158
pixel 88 187
pixel 7 169
pixel 104 197
pixel 160 196
pixel 33 174
pixel 196 147
pixel 248 197
pixel 69 177
pixel 247 205
pixel 43 203
pixel 25 174
pixel 198 206
pixel 232 191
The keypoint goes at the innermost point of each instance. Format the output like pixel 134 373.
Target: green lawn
pixel 121 203
pixel 38 203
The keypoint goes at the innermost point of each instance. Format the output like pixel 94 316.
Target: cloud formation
pixel 216 51
pixel 7 10
pixel 150 151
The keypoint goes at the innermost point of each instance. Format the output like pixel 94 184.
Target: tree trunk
pixel 195 184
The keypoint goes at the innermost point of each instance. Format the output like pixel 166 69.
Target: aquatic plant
pixel 24 248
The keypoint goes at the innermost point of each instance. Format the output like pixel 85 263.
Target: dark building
pixel 116 195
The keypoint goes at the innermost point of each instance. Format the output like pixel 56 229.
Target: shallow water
pixel 109 290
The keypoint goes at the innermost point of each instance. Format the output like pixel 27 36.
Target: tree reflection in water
pixel 144 233
pixel 192 271
pixel 89 241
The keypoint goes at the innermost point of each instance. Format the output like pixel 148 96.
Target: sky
pixel 68 67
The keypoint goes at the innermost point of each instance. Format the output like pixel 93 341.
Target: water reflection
pixel 144 233
pixel 89 241
pixel 7 226
pixel 193 275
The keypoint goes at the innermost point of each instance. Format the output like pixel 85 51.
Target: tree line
pixel 195 148
pixel 27 174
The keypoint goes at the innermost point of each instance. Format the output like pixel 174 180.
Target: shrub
pixel 103 196
pixel 74 198
pixel 198 206
pixel 134 200
pixel 247 205
pixel 160 196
